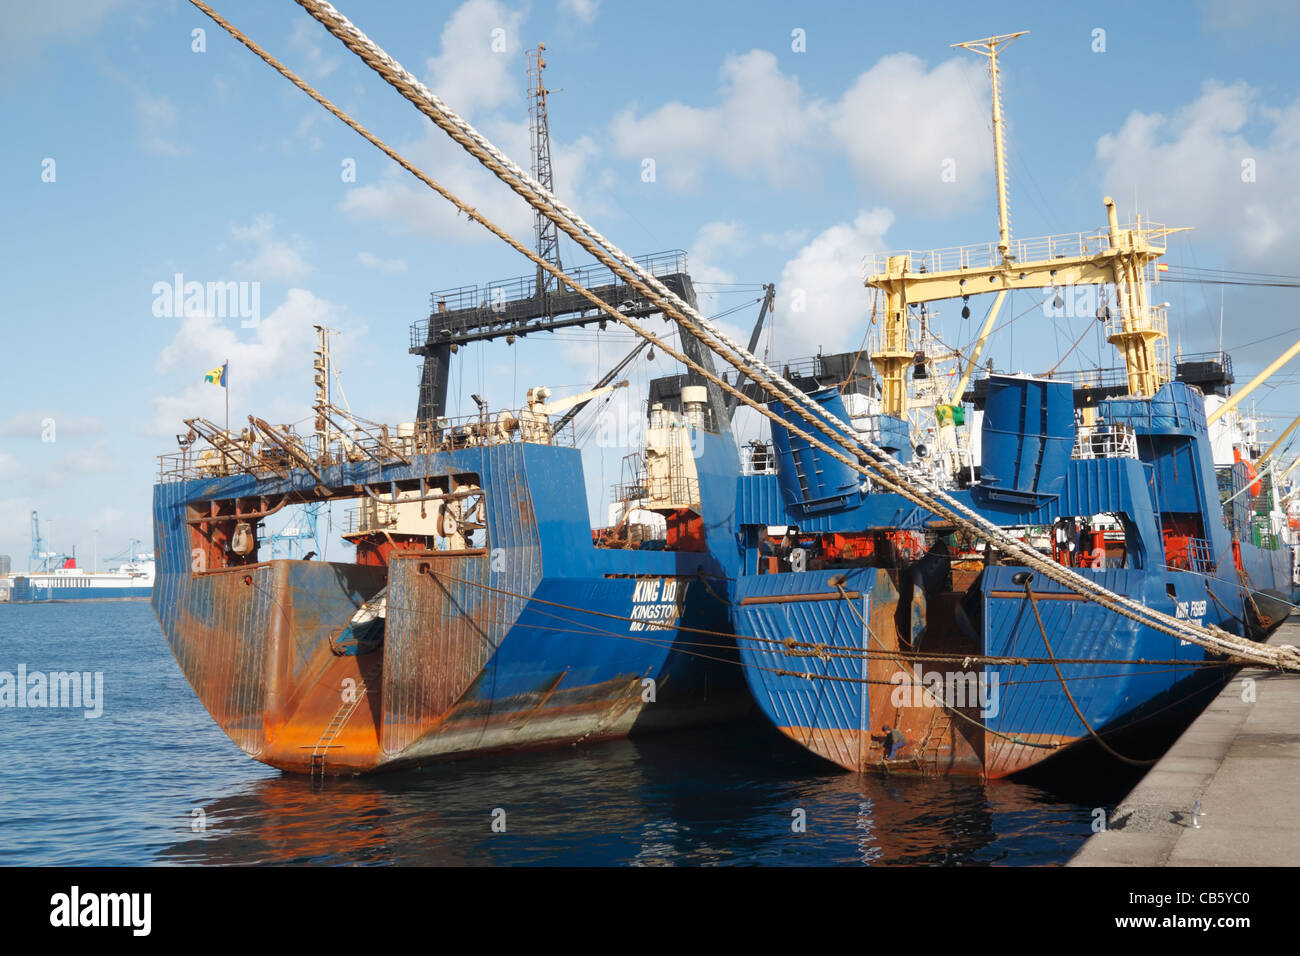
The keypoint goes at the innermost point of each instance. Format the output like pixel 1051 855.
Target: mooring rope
pixel 1033 602
pixel 905 480
pixel 604 250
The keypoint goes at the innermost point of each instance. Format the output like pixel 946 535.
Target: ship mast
pixel 1118 256
pixel 539 130
pixel 989 48
pixel 321 378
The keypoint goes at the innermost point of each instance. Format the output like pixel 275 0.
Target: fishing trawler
pixel 480 612
pixel 850 553
pixel 881 634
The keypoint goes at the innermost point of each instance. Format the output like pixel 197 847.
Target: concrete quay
pixel 1241 760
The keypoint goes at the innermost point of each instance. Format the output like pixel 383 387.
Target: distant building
pixel 4 565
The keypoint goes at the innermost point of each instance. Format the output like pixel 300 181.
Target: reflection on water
pixel 124 789
pixel 726 795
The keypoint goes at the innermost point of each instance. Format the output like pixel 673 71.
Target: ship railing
pixel 1194 554
pixel 646 492
pixel 453 300
pixel 629 492
pixel 757 458
pixel 805 368
pixel 1262 534
pixel 1071 245
pixel 248 453
pixel 1200 555
pixel 494 295
pixel 1155 321
pixel 1220 358
pixel 1106 441
pixel 369 516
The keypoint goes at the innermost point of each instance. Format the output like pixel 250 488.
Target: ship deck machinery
pixel 480 613
pixel 901 624
pixel 878 637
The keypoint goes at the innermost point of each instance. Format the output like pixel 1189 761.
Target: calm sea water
pixel 124 789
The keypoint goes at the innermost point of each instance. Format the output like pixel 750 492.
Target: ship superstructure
pixel 881 634
pixel 855 524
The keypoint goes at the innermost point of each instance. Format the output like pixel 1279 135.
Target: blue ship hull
pixel 537 638
pixel 950 666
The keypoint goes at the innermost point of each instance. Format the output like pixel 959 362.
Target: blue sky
pixel 771 166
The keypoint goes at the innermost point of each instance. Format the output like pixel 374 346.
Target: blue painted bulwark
pixel 856 640
pixel 1027 438
pixel 811 481
pixel 894 436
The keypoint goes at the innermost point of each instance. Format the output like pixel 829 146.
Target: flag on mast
pixel 219 375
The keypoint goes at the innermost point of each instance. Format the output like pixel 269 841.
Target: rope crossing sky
pixel 851 448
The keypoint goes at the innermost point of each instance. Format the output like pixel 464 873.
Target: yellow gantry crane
pixel 1118 256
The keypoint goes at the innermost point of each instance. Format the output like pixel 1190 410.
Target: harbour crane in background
pixel 46 559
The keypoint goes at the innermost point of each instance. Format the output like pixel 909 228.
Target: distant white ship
pixel 132 580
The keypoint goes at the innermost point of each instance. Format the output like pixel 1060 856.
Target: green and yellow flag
pixel 950 414
pixel 218 375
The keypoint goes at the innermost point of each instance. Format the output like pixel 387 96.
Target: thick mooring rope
pixel 869 460
pixel 911 483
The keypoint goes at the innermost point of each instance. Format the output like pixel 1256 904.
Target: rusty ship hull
pixel 527 636
pixel 868 616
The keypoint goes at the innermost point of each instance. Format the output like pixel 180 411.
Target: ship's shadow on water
pixel 733 794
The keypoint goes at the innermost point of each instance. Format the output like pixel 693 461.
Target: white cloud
pixel 263 367
pixel 156 119
pixel 44 466
pixel 584 10
pixel 784 239
pixel 900 123
pixel 1242 14
pixel 1192 168
pixel 715 237
pixel 98 459
pixel 29 26
pixel 764 125
pixel 274 258
pixel 821 300
pixel 304 40
pixel 306 132
pixel 106 518
pixel 399 198
pixel 469 75
pixel 713 240
pixel 9 467
pixel 761 126
pixel 15 520
pixel 31 424
pixel 389 267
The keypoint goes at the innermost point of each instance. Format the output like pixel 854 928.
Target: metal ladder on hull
pixel 333 728
pixel 940 725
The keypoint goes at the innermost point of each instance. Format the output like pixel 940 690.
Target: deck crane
pixel 1118 256
pixel 533 420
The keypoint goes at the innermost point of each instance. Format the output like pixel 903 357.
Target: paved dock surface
pixel 1241 759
